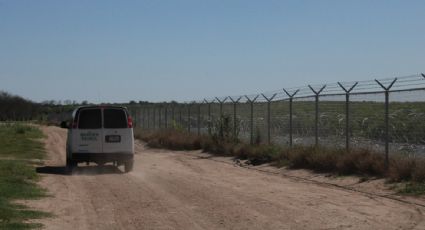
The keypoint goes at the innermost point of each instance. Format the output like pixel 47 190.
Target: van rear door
pixel 117 135
pixel 88 135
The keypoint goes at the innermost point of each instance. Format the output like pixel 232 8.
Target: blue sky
pixel 116 51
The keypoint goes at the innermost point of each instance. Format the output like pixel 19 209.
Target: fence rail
pixel 384 114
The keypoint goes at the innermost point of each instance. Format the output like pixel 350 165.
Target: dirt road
pixel 178 190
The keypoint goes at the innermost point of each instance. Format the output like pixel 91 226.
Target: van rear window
pixel 90 119
pixel 114 119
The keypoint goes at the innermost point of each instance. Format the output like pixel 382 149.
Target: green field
pixel 20 151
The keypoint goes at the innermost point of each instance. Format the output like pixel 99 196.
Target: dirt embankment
pixel 181 190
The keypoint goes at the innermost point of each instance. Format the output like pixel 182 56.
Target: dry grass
pixel 364 162
pixel 258 154
pixel 407 168
pixel 418 174
pixel 171 139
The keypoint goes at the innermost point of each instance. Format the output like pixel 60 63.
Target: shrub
pixel 407 168
pixel 322 159
pixel 418 174
pixel 222 129
pixel 297 156
pixel 369 162
pixel 401 168
pixel 362 161
pixel 172 139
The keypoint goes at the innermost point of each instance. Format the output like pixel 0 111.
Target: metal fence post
pixel 221 112
pixel 387 120
pixel 156 125
pixel 166 117
pixel 142 111
pixel 137 118
pixel 141 117
pixel 159 117
pixel 235 102
pixel 199 119
pixel 251 102
pixel 221 105
pixel 133 115
pixel 209 115
pixel 172 115
pixel 347 114
pixel 269 100
pixel 291 98
pixel 316 125
pixel 145 109
pixel 148 117
pixel 180 115
pixel 188 117
pixel 154 118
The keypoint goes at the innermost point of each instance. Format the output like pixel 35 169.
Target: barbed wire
pixel 416 81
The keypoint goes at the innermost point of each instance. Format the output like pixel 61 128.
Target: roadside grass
pixel 404 169
pixel 411 188
pixel 19 145
pixel 18 141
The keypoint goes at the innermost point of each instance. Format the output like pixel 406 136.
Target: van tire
pixel 128 166
pixel 70 165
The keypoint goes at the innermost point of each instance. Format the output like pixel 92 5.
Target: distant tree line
pixel 17 108
pixel 14 107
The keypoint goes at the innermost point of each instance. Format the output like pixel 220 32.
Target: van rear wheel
pixel 128 166
pixel 70 165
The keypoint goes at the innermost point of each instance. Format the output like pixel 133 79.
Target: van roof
pixel 96 106
pixel 100 106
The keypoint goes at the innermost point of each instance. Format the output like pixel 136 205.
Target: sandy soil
pixel 190 190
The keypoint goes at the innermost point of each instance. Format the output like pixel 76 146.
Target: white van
pixel 100 134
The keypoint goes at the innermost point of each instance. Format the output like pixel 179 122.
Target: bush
pixel 323 159
pixel 172 139
pixel 407 168
pixel 363 161
pixel 222 129
pixel 297 157
pixel 418 174
pixel 401 168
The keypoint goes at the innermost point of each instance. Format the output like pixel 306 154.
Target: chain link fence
pixel 387 115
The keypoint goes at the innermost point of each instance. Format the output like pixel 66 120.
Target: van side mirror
pixel 64 125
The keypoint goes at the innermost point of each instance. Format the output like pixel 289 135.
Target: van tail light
pixel 74 125
pixel 130 122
